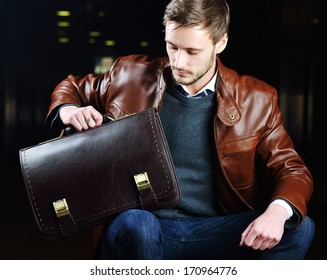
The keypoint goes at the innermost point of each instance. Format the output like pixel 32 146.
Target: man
pixel 244 189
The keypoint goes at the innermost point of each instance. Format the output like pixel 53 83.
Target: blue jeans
pixel 138 234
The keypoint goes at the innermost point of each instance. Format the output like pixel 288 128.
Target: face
pixel 192 55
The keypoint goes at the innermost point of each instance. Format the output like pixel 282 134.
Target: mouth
pixel 181 73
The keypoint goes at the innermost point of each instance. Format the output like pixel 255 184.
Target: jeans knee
pixel 134 223
pixel 303 233
pixel 136 219
pixel 308 228
pixel 133 234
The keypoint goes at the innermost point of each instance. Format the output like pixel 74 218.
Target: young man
pixel 244 189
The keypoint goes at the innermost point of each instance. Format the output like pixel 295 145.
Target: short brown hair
pixel 212 15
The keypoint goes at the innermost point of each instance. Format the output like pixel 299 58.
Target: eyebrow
pixel 189 49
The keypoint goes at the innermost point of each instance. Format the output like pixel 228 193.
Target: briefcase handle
pixel 70 129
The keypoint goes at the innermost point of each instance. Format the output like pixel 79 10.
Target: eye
pixel 192 52
pixel 173 48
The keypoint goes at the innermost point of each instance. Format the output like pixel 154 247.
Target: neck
pixel 205 80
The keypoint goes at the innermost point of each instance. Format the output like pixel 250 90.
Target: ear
pixel 221 44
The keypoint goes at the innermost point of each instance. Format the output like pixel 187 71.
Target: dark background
pixel 282 42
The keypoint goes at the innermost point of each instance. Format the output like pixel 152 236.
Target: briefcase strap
pixel 148 199
pixel 147 196
pixel 67 225
pixel 66 222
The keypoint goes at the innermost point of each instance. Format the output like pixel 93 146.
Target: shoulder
pixel 244 83
pixel 141 60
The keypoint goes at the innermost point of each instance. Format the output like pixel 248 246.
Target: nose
pixel 180 59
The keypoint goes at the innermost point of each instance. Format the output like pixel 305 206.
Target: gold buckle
pixel 142 181
pixel 61 207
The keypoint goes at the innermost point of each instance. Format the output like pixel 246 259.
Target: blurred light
pixel 316 20
pixel 110 43
pixel 144 43
pixel 63 40
pixel 91 41
pixel 94 33
pixel 63 13
pixel 101 14
pixel 103 64
pixel 62 33
pixel 63 23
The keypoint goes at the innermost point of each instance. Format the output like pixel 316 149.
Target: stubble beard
pixel 194 77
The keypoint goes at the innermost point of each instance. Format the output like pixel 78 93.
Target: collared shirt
pixel 209 88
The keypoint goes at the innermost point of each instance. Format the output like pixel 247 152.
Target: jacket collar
pixel 227 110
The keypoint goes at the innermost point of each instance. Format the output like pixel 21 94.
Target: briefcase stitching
pixel 113 209
pixel 160 155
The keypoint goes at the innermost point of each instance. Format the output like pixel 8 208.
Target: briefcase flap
pixel 82 180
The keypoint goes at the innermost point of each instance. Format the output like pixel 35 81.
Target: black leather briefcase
pixel 82 180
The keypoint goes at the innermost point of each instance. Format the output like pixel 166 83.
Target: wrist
pixel 284 204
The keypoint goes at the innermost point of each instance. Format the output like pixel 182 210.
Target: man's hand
pixel 266 231
pixel 80 118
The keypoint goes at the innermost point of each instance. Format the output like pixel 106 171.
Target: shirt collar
pixel 210 86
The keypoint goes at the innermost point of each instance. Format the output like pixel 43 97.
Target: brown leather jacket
pixel 257 160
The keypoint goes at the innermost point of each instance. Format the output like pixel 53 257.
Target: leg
pixel 133 234
pixel 207 237
pixel 138 234
pixel 219 237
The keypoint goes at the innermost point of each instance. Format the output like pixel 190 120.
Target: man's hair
pixel 212 15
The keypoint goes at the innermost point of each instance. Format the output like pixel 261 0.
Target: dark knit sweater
pixel 188 124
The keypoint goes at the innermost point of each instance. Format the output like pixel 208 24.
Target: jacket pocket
pixel 238 162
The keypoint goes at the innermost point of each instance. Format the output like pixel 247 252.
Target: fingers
pixel 84 118
pixel 256 240
pixel 93 117
pixel 244 235
pixel 263 243
pixel 266 231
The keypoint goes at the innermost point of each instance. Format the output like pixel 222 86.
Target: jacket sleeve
pixel 80 91
pixel 292 179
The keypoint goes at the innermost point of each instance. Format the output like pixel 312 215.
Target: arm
pixel 78 99
pixel 292 186
pixel 292 180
